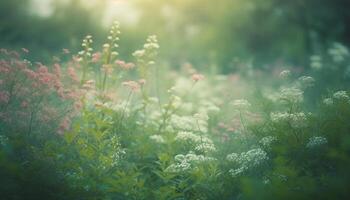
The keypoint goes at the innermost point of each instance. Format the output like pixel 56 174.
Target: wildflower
pixel 328 101
pixel 107 68
pixel 285 74
pixel 64 125
pixel 142 81
pixel 197 77
pixel 124 65
pixel 157 138
pixel 134 86
pixel 341 95
pixel 96 57
pixel 247 160
pixel 306 81
pixel 296 120
pixel 206 146
pixel 267 141
pixel 139 53
pixel 72 74
pixel 241 104
pixel 187 136
pixel 184 163
pixel 316 141
pixel 293 95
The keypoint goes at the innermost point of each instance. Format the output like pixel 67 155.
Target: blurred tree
pixel 205 31
pixel 46 36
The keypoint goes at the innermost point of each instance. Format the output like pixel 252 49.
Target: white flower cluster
pixel 241 104
pixel 292 94
pixel 247 160
pixel 118 151
pixel 337 96
pixel 157 138
pixel 306 81
pixel 296 120
pixel 208 107
pixel 316 141
pixel 328 101
pixel 267 141
pixel 201 143
pixel 341 95
pixel 87 43
pixel 113 38
pixel 149 51
pixel 186 162
pixel 338 52
pixel 285 74
pixel 316 62
pixel 198 122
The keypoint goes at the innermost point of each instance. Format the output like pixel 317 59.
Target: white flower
pixel 247 160
pixel 285 74
pixel 187 136
pixel 201 143
pixel 139 53
pixel 206 147
pixel 241 104
pixel 293 95
pixel 157 138
pixel 232 157
pixel 279 117
pixel 298 120
pixel 341 95
pixel 187 162
pixel 328 101
pixel 306 81
pixel 267 141
pixel 316 141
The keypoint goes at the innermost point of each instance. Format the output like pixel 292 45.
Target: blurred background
pixel 202 32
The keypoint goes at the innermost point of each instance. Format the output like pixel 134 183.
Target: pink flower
pixel 72 74
pixel 142 82
pixel 96 57
pixel 197 77
pixel 134 86
pixel 124 65
pixel 108 69
pixel 42 69
pixel 30 74
pixel 57 70
pixel 64 126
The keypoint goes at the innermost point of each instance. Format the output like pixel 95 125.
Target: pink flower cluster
pixel 33 97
